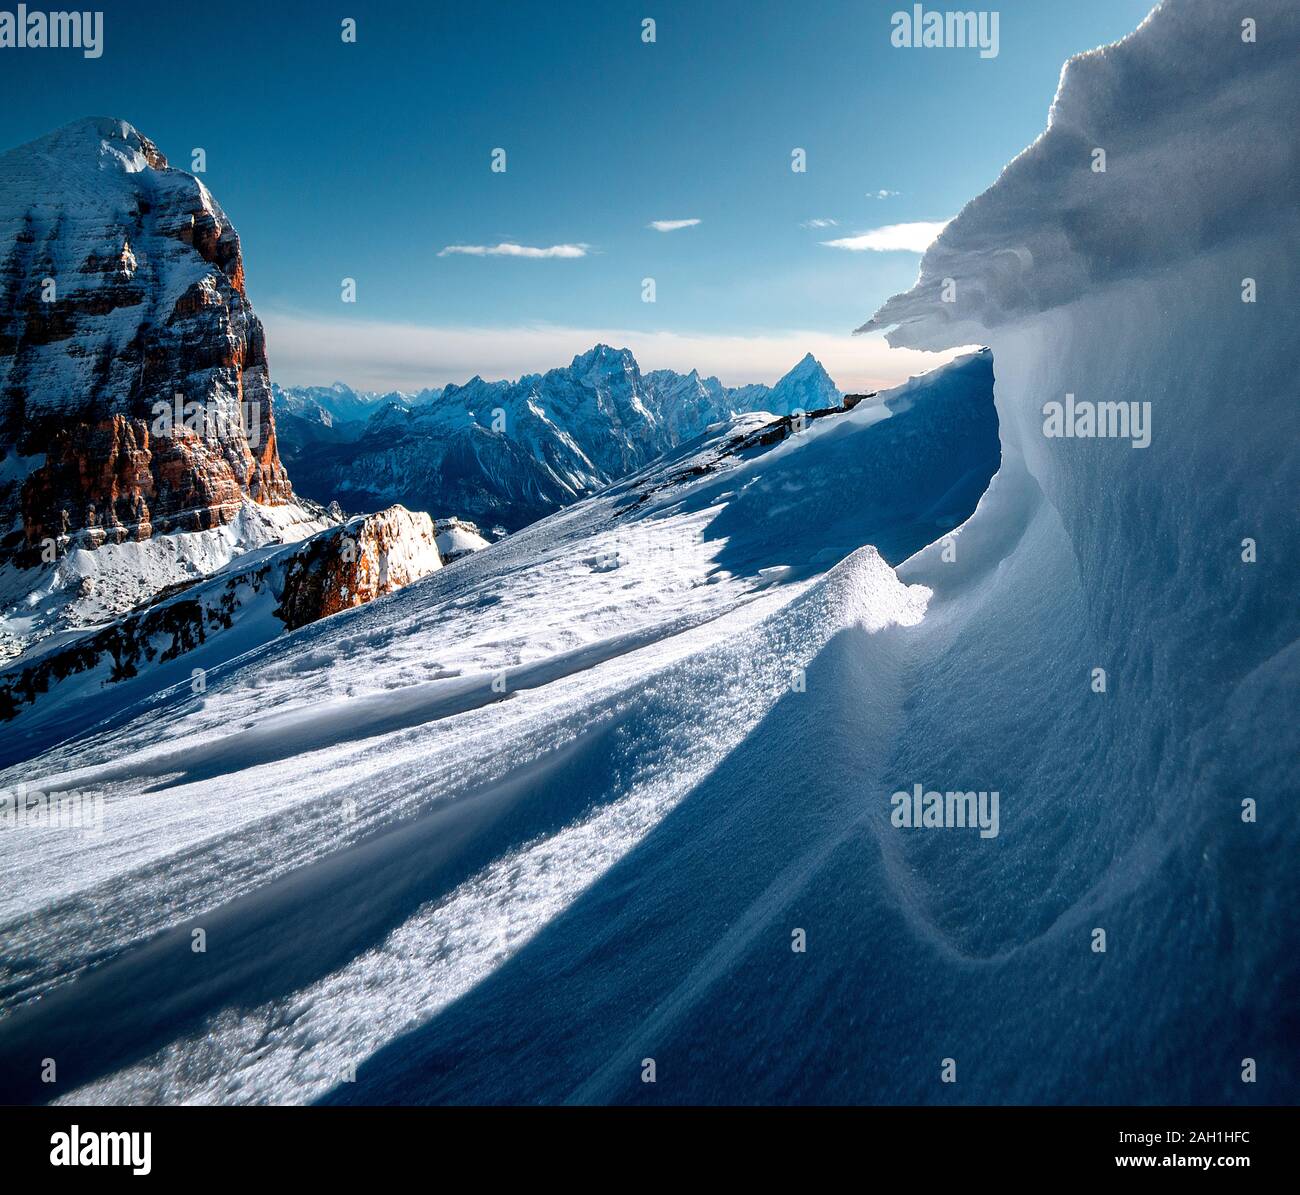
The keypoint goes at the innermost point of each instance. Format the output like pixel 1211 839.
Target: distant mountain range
pixel 506 453
pixel 339 404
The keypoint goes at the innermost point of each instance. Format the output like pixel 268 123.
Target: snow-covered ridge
pixel 457 538
pixel 84 588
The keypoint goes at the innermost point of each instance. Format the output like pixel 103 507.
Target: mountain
pixel 123 286
pixel 138 440
pixel 807 387
pixel 340 404
pixel 506 453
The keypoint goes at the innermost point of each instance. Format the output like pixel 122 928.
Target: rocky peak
pixel 134 392
pixel 601 360
pixel 807 387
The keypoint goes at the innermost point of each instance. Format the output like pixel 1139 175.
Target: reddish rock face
pixel 122 288
pixel 367 557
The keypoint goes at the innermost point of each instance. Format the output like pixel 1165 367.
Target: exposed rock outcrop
pixel 336 569
pixel 365 558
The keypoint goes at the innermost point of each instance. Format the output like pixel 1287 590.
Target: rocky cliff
pixel 365 558
pixel 134 397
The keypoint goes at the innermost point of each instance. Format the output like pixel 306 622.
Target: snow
pixel 526 765
pixel 41 606
pixel 458 538
pixel 94 677
pixel 516 894
pixel 520 722
pixel 1122 810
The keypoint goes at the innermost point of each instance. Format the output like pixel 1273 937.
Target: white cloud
pixel 509 249
pixel 820 224
pixel 307 350
pixel 882 194
pixel 915 238
pixel 671 225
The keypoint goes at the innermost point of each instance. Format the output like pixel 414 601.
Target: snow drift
pixel 1122 810
pixel 1174 569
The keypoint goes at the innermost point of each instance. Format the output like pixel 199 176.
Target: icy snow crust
pixel 520 900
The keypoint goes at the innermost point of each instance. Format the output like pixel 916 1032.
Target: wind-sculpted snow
pixel 1172 567
pixel 1160 808
pixel 373 813
pixel 1198 129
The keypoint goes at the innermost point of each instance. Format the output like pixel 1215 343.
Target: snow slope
pixel 97 676
pixel 456 763
pixel 1121 810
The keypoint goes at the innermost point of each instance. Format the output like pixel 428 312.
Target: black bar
pixel 338 1145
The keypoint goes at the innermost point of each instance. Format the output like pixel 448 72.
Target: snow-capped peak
pixel 603 359
pixel 807 387
pixel 104 142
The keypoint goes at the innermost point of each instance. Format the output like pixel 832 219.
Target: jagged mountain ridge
pixel 338 404
pixel 505 453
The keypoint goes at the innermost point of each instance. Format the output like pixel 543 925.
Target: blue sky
pixel 367 160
